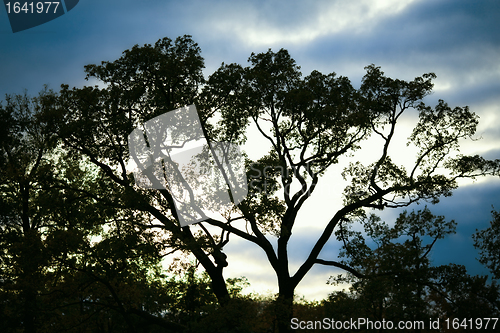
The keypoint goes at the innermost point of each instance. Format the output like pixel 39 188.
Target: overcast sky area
pixel 458 40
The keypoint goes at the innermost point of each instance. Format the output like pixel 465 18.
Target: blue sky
pixel 459 40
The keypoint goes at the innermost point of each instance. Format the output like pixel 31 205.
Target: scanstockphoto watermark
pixel 25 15
pixel 354 324
pixel 365 323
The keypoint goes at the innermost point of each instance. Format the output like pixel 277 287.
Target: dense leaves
pixel 392 277
pixel 74 222
pixel 488 243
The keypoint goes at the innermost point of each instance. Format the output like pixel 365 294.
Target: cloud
pixel 270 23
pixel 456 40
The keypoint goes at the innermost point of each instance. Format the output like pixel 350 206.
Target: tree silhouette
pixel 395 280
pixel 319 120
pixel 25 172
pixel 312 123
pixel 95 122
pixel 488 243
pixel 55 275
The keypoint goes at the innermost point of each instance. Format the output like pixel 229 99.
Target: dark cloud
pixel 432 28
pixel 442 26
pixel 458 40
pixel 94 31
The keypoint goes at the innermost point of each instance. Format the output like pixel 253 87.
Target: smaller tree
pixel 488 243
pixel 456 294
pixel 393 278
pixel 391 274
pixel 55 274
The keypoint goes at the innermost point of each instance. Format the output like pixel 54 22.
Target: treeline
pixel 82 247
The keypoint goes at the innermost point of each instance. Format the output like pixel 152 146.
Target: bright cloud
pixel 256 26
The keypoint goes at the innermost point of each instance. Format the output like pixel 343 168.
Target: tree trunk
pixel 29 280
pixel 213 269
pixel 29 311
pixel 219 288
pixel 284 307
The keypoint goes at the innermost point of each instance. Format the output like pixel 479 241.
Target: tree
pixel 55 275
pixel 457 294
pixel 318 120
pixel 394 278
pixel 96 122
pixel 315 122
pixel 25 171
pixel 488 243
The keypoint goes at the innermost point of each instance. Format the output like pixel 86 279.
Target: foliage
pixel 95 122
pixel 392 277
pixel 315 122
pixel 65 181
pixel 488 243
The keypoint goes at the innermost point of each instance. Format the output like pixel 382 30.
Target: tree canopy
pixel 488 242
pixel 393 278
pixel 65 175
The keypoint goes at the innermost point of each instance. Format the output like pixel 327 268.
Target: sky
pixel 458 40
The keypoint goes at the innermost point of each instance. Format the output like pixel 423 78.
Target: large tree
pixel 311 123
pixel 317 122
pixel 55 272
pixel 95 122
pixel 25 170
